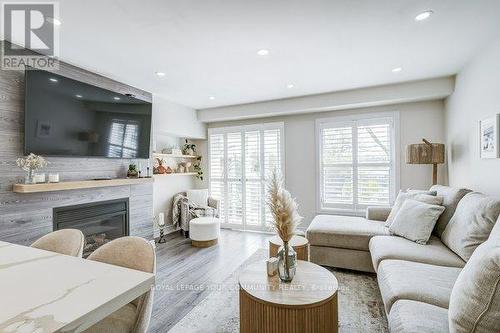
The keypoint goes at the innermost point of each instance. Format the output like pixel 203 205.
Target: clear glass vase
pixel 28 177
pixel 287 262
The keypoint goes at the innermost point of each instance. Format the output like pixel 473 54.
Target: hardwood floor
pixel 184 272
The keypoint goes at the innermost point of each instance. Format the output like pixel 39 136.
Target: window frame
pixel 261 127
pixel 364 118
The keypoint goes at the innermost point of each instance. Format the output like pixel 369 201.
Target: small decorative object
pixel 38 178
pixel 181 167
pixel 161 225
pixel 489 137
pixel 169 170
pixel 132 171
pixel 53 178
pixel 426 153
pixel 140 168
pixel 272 266
pixel 159 169
pixel 197 168
pixel 285 220
pixel 189 148
pixel 30 164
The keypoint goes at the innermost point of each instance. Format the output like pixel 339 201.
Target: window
pixel 357 162
pixel 123 139
pixel 240 160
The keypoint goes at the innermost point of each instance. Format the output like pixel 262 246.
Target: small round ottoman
pixel 204 231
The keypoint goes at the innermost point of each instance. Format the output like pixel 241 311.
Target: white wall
pixel 171 123
pixel 417 120
pixel 476 97
pixel 174 119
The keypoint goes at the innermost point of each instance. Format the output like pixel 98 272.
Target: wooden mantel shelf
pixel 81 184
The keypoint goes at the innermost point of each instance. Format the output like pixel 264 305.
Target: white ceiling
pixel 208 47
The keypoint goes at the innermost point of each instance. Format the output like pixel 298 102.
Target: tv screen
pixel 65 117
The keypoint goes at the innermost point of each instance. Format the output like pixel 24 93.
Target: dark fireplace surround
pixel 100 221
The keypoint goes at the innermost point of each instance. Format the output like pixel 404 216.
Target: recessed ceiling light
pixel 53 20
pixel 53 80
pixel 78 96
pixel 397 69
pixel 160 73
pixel 263 52
pixel 116 98
pixel 424 15
pixel 290 85
pixel 211 98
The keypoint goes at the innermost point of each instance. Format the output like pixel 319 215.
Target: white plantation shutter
pixel 374 163
pixel 217 162
pixel 234 181
pixel 356 163
pixel 240 160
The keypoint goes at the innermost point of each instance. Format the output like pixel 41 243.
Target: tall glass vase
pixel 287 262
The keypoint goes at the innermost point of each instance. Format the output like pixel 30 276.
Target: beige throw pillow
pixel 475 298
pixel 424 196
pixel 415 220
pixel 471 224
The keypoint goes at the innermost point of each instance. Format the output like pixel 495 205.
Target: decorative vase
pixel 28 177
pixel 287 262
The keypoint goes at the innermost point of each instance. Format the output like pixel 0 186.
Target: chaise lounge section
pixel 416 281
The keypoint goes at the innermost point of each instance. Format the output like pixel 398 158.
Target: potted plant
pixel 285 220
pixel 30 164
pixel 132 171
pixel 197 168
pixel 188 148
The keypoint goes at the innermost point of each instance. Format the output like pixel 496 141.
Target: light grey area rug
pixel 360 305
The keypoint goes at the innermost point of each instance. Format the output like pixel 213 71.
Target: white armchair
pixel 197 204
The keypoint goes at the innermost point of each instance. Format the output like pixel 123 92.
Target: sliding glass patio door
pixel 240 160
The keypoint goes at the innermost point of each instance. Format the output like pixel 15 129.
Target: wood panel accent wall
pixel 25 217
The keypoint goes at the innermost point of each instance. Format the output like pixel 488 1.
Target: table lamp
pixel 426 153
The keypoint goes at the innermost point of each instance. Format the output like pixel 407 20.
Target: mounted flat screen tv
pixel 65 117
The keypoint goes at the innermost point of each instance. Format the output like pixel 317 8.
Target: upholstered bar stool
pixel 64 241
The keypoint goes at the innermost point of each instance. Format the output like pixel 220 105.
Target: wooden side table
pixel 300 245
pixel 307 304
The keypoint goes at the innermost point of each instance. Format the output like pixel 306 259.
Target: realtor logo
pixel 30 36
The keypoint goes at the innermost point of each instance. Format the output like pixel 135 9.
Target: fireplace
pixel 100 221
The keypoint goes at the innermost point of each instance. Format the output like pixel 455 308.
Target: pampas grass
pixel 283 208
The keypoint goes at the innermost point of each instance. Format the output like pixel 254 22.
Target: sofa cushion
pixel 415 281
pixel 451 198
pixel 415 220
pixel 393 247
pixel 417 317
pixel 402 197
pixel 471 224
pixel 475 299
pixel 348 232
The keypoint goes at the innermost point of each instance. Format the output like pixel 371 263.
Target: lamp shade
pixel 425 153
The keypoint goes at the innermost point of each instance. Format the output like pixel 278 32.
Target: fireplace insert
pixel 100 221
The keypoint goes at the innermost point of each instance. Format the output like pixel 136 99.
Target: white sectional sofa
pixel 416 281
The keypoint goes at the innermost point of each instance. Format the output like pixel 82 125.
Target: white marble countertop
pixel 44 292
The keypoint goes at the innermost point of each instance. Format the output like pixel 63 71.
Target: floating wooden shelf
pixel 176 174
pixel 174 156
pixel 74 185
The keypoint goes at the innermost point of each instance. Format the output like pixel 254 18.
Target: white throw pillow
pixel 198 197
pixel 415 220
pixel 475 298
pixel 409 194
pixel 471 224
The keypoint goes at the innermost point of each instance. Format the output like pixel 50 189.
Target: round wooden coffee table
pixel 307 304
pixel 300 245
